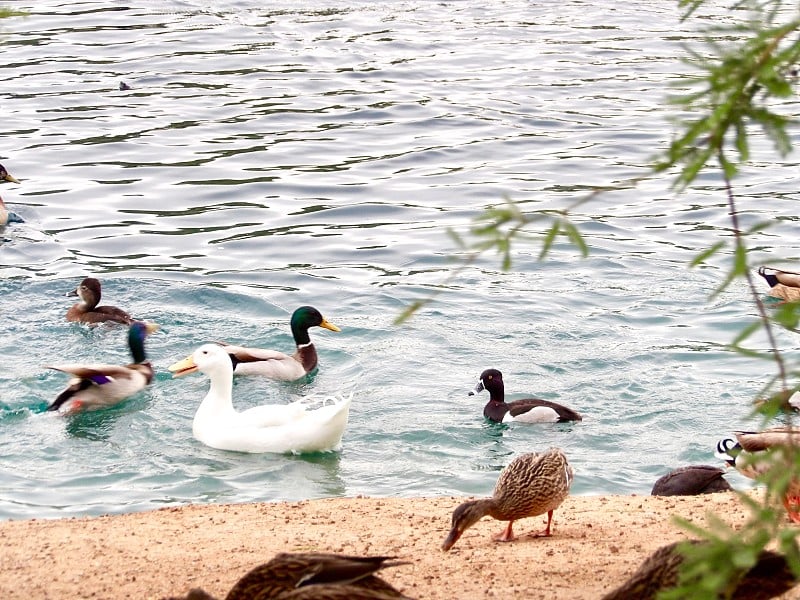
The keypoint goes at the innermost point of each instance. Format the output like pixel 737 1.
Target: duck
pixel 6 176
pixel 744 452
pixel 782 284
pixel 279 428
pixel 97 386
pixel 277 365
pixel 771 576
pixel 313 576
pixel 6 216
pixel 532 484
pixel 691 480
pixel 87 311
pixel 527 410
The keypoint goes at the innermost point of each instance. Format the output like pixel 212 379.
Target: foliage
pixel 738 75
pixel 10 12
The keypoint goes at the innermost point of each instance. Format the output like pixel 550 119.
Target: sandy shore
pixel 597 542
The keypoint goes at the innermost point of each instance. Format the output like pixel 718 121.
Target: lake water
pixel 267 157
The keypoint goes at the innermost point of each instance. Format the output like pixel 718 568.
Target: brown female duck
pixel 771 576
pixel 531 485
pixel 527 410
pixel 314 576
pixel 782 284
pixel 87 311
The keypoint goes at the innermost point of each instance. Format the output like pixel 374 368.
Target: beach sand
pixel 597 542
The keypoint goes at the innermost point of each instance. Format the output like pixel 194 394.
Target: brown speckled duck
pixel 691 481
pixel 527 410
pixel 87 311
pixel 742 454
pixel 782 284
pixel 532 484
pixel 280 366
pixel 771 576
pixel 314 576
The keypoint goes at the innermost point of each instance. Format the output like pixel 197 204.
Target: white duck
pixel 296 427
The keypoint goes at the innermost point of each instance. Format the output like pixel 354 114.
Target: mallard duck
pixel 771 576
pixel 6 216
pixel 277 365
pixel 99 386
pixel 87 311
pixel 295 427
pixel 691 481
pixel 314 576
pixel 782 284
pixel 527 410
pixel 744 453
pixel 531 485
pixel 6 176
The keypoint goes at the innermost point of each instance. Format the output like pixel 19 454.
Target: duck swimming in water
pixel 782 284
pixel 87 311
pixel 97 386
pixel 306 425
pixel 277 365
pixel 6 216
pixel 527 410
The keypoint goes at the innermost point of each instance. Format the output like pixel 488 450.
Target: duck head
pixel 6 176
pixel 728 450
pixel 210 359
pixel 305 317
pixel 89 291
pixel 490 379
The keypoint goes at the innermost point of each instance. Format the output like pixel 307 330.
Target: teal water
pixel 316 153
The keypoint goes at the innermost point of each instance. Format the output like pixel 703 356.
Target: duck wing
pixel 538 410
pixel 98 374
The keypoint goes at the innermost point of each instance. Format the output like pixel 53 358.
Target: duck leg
pixel 546 531
pixel 507 534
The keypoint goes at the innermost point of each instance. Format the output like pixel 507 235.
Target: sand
pixel 597 542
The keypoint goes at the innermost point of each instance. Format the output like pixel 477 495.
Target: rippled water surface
pixel 270 155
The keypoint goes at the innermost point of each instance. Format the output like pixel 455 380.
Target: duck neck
pixel 496 393
pixel 136 345
pixel 300 334
pixel 219 400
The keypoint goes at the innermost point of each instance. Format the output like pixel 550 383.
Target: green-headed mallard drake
pixel 6 216
pixel 307 425
pixel 280 366
pixel 782 284
pixel 526 410
pixel 532 484
pixel 6 176
pixel 99 386
pixel 744 453
pixel 691 481
pixel 87 311
pixel 771 576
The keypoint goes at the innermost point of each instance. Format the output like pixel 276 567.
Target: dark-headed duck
pixel 87 311
pixel 526 410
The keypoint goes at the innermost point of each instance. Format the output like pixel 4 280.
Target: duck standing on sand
pixel 771 576
pixel 87 311
pixel 750 447
pixel 782 284
pixel 97 386
pixel 280 366
pixel 532 484
pixel 527 410
pixel 278 428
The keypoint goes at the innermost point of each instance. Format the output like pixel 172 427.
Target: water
pixel 315 153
